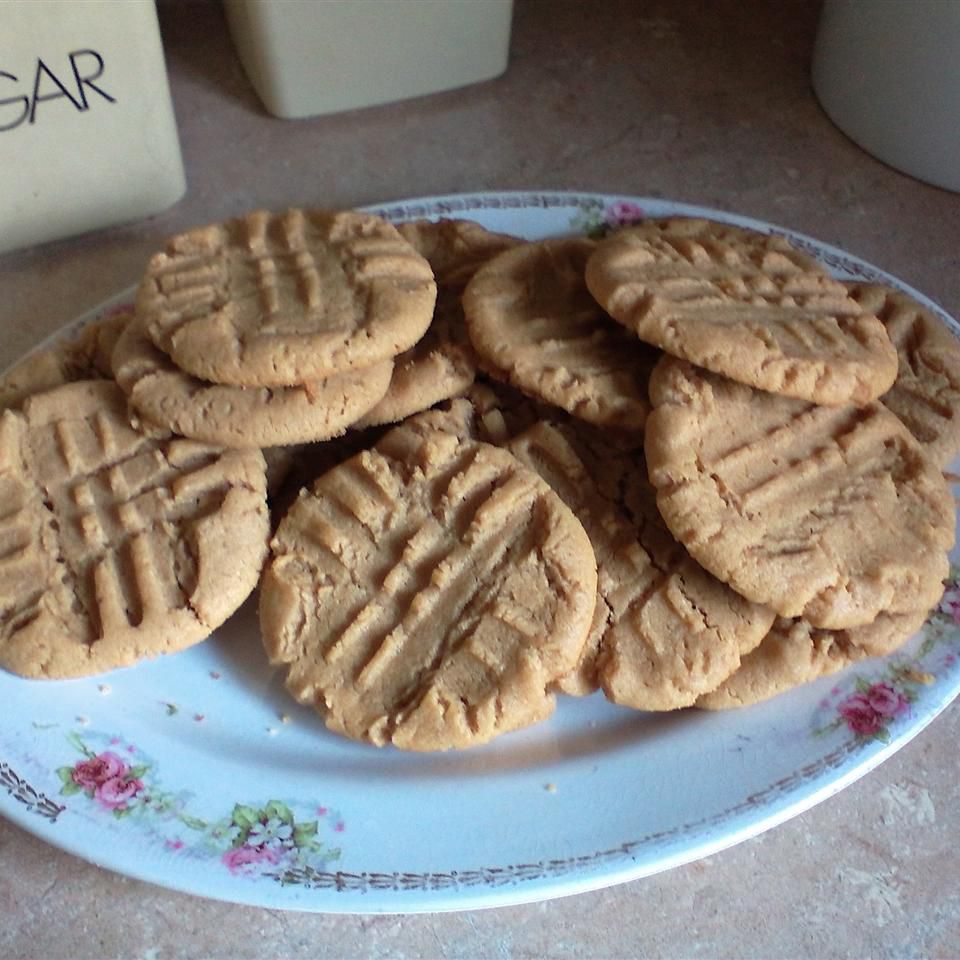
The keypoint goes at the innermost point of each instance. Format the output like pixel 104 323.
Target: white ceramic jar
pixel 887 72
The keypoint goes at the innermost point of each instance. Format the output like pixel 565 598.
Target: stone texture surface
pixel 707 103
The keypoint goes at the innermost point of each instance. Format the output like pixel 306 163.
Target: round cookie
pixel 828 513
pixel 428 592
pixel 285 299
pixel 926 393
pixel 794 653
pixel 534 324
pixel 744 304
pixel 117 546
pixel 240 416
pixel 442 364
pixel 665 631
pixel 85 356
pixel 455 249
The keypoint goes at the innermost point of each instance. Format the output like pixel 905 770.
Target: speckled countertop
pixel 708 103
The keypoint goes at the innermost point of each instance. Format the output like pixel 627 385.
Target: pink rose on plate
pixel 886 701
pixel 115 792
pixel 239 859
pixel 91 773
pixel 622 212
pixel 860 715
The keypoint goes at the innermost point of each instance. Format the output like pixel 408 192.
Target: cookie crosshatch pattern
pixel 198 786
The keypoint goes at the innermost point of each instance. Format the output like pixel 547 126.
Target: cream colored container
pixel 322 56
pixel 87 131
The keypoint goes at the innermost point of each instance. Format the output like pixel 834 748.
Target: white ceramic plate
pixel 198 773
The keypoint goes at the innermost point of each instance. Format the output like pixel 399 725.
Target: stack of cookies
pixel 131 455
pixel 768 472
pixel 273 329
pixel 833 547
pixel 682 465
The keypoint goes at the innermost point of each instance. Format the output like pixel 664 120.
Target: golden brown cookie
pixel 926 393
pixel 163 394
pixel 285 299
pixel 794 653
pixel 455 249
pixel 85 356
pixel 442 364
pixel 534 324
pixel 828 513
pixel 117 546
pixel 647 647
pixel 666 631
pixel 428 592
pixel 744 304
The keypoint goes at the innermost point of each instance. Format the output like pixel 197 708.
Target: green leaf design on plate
pixel 245 817
pixel 303 833
pixel 280 811
pixel 74 738
pixel 194 823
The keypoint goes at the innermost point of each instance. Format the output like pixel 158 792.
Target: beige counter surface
pixel 708 103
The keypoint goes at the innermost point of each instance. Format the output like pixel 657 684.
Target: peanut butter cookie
pixel 285 299
pixel 794 653
pixel 833 514
pixel 234 416
pixel 85 356
pixel 665 630
pixel 427 593
pixel 744 304
pixel 442 364
pixel 117 546
pixel 534 324
pixel 926 393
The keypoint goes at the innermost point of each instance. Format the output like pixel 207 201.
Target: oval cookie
pixel 534 324
pixel 284 299
pixel 744 304
pixel 828 513
pixel 85 356
pixel 427 593
pixel 795 653
pixel 665 631
pixel 240 416
pixel 117 546
pixel 455 249
pixel 442 364
pixel 926 393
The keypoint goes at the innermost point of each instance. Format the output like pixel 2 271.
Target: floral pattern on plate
pixel 874 705
pixel 251 840
pixel 596 219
